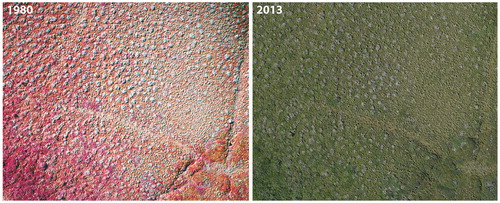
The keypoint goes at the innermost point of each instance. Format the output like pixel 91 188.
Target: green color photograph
pixel 375 101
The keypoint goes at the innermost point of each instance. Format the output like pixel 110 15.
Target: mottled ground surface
pixel 376 101
pixel 126 101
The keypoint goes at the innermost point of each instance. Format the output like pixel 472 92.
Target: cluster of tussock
pixel 375 101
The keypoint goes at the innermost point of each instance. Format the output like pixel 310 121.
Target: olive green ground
pixel 375 101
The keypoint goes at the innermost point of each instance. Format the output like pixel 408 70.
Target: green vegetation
pixel 375 101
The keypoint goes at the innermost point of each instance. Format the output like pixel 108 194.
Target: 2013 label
pixel 269 10
pixel 20 10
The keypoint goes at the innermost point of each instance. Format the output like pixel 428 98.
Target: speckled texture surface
pixel 375 101
pixel 126 101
